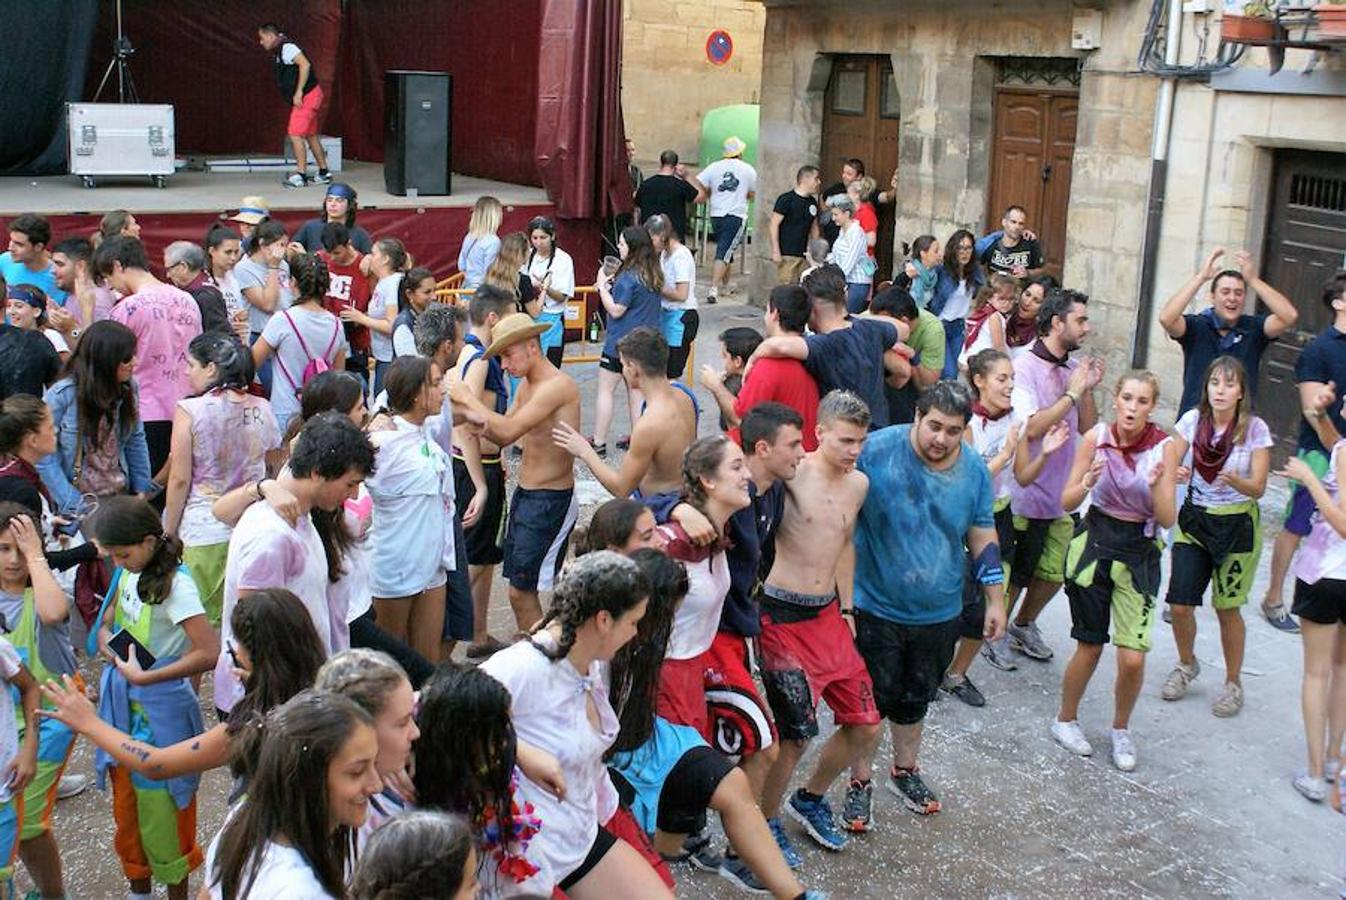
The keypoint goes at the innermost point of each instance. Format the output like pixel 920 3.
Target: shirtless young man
pixel 478 476
pixel 661 435
pixel 807 648
pixel 543 510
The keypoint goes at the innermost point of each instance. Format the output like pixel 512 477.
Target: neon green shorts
pixel 1103 593
pixel 206 563
pixel 1239 524
pixel 1040 549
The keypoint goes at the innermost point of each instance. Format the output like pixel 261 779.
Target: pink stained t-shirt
pixel 164 319
pixel 1037 385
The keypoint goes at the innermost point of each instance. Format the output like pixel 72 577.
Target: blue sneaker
pixel 737 873
pixel 787 849
pixel 815 895
pixel 817 819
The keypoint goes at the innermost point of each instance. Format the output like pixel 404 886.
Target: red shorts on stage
pixel 304 117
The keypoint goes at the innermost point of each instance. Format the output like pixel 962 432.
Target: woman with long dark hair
pixel 631 297
pixel 551 271
pixel 561 705
pixel 957 280
pixel 622 525
pixel 100 440
pixel 294 835
pixel 415 293
pixel 681 321
pixel 224 247
pixel 386 264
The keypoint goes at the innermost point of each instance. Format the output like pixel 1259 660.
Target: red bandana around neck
pixel 1209 453
pixel 1151 436
pixel 987 414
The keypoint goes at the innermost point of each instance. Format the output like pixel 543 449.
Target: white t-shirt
pixel 265 552
pixel 289 52
pixel 404 341
pixel 562 270
pixel 549 711
pixel 57 340
pixel 383 299
pixel 10 664
pixel 698 617
pixel 282 872
pixel 983 341
pixel 228 288
pixel 411 498
pixel 249 274
pixel 182 603
pixel 231 433
pixel 729 182
pixel 1257 436
pixel 679 266
pixel 322 334
pixel 989 435
pixel 959 303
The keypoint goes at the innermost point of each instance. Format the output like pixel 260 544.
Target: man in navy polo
pixel 1222 328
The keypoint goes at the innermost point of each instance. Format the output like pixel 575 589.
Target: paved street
pixel 1209 812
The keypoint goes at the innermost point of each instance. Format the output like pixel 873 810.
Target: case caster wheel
pixel 88 181
pixel 160 181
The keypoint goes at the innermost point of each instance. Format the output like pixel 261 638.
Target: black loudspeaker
pixel 417 117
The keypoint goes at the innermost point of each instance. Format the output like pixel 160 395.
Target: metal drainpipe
pixel 1154 204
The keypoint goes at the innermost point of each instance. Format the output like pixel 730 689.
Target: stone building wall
pixel 667 82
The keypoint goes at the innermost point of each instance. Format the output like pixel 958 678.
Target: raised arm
pixel 1171 315
pixel 1284 315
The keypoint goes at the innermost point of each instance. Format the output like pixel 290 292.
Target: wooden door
pixel 1305 245
pixel 861 114
pixel 1033 149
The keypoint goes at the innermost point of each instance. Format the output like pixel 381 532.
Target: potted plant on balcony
pixel 1331 18
pixel 1256 25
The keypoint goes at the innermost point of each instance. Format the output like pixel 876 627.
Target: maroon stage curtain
pixel 491 50
pixel 203 57
pixel 580 146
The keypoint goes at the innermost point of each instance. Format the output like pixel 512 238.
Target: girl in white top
pixel 553 274
pixel 985 329
pixel 1226 453
pixel 385 264
pixel 681 321
pixel 558 682
pixel 300 335
pixel 292 836
pixel 221 438
pixel 223 249
pixel 995 431
pixel 412 535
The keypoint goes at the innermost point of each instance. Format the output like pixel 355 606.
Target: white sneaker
pixel 72 786
pixel 1071 736
pixel 1123 750
pixel 1314 789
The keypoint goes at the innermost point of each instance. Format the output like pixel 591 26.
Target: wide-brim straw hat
pixel 512 329
pixel 252 211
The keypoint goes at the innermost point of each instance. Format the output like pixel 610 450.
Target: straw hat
pixel 734 146
pixel 251 211
pixel 512 329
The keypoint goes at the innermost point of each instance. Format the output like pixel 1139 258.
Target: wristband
pixel 1074 398
pixel 258 488
pixel 849 612
pixel 986 567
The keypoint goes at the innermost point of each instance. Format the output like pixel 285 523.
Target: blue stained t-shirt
pixel 17 273
pixel 909 540
pixel 1323 360
pixel 851 359
pixel 642 308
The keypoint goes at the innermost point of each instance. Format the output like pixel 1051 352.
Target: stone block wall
pixel 667 82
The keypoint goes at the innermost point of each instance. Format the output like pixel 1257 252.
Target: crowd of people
pixel 283 463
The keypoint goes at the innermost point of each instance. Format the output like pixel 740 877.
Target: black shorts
pixel 611 363
pixel 486 535
pixel 687 790
pixel 458 591
pixel 906 662
pixel 1323 602
pixel 603 842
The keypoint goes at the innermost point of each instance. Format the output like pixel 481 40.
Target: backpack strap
pixel 336 330
pixel 303 346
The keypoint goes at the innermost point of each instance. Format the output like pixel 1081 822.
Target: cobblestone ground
pixel 1209 811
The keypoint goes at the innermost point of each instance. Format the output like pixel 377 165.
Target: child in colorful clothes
pixel 1227 451
pixel 36 620
pixel 221 438
pixel 18 759
pixel 155 601
pixel 1112 565
pixel 672 773
pixel 994 432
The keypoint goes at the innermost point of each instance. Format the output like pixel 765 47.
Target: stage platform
pixel 431 227
pixel 199 192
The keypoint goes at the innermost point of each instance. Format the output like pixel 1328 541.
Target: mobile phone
pixel 123 643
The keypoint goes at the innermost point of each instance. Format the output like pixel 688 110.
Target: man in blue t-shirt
pixel 1222 329
pixel 928 509
pixel 28 260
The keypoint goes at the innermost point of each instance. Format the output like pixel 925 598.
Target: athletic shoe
pixel 1167 614
pixel 997 653
pixel 815 895
pixel 1331 768
pixel 72 786
pixel 857 813
pixel 908 786
pixel 296 180
pixel 1123 750
pixel 699 853
pixel 1314 789
pixel 600 449
pixel 624 443
pixel 737 873
pixel 962 688
pixel 1279 618
pixel 1229 702
pixel 323 177
pixel 817 819
pixel 711 297
pixel 477 651
pixel 1071 736
pixel 787 847
pixel 1028 641
pixel 1179 680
